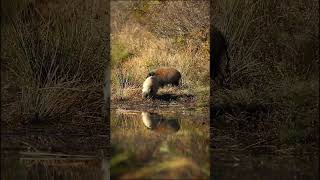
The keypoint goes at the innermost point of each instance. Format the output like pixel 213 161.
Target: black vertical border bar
pixel 211 131
pixel 106 83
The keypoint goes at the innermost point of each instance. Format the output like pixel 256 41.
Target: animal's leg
pixel 176 83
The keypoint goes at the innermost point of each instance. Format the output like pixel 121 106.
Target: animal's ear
pixel 151 74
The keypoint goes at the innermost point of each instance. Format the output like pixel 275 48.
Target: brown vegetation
pixel 52 61
pixel 273 48
pixel 273 99
pixel 147 35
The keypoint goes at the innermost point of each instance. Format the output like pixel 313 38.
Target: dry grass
pixel 48 57
pixel 274 49
pixel 149 48
pixel 47 60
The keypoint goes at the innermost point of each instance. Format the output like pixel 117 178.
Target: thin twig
pixel 259 142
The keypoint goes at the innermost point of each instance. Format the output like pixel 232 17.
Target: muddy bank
pixel 166 101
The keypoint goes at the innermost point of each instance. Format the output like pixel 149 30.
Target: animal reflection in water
pixel 160 124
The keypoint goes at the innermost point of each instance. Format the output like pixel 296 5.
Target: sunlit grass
pixel 149 51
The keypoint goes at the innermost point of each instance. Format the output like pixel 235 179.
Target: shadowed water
pixel 41 153
pixel 166 145
pixel 42 166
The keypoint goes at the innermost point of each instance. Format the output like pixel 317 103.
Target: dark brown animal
pixel 166 76
pixel 219 57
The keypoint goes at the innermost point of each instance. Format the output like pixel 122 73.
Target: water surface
pixel 160 145
pixel 47 166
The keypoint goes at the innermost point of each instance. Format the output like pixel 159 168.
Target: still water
pixel 159 145
pixel 48 166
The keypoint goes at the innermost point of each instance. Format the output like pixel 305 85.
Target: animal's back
pixel 168 76
pixel 219 44
pixel 219 65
